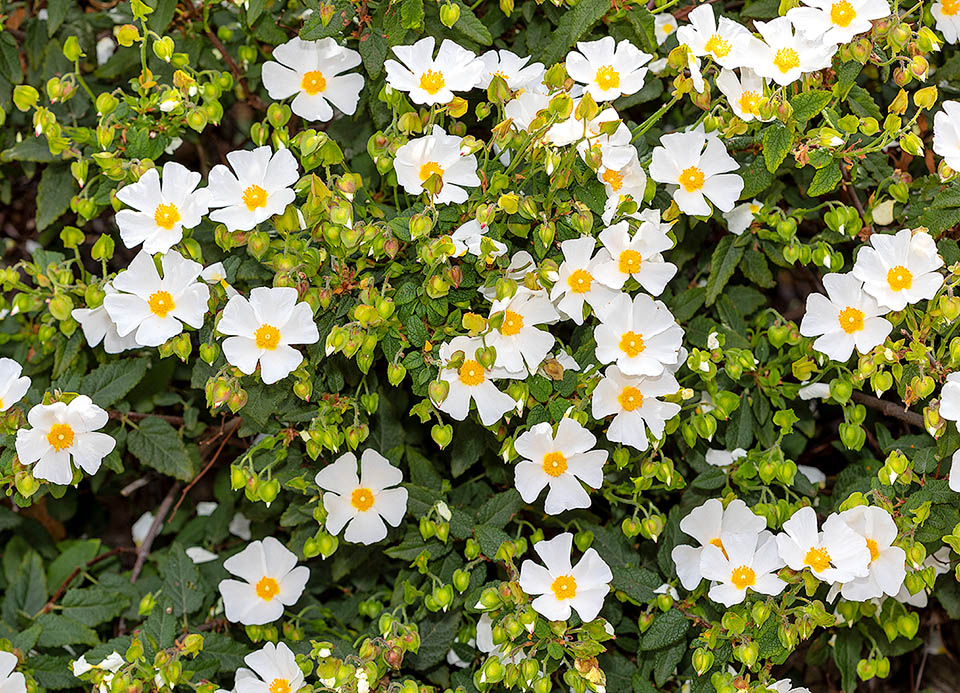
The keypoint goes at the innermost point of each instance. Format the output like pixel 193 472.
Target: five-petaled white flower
pixel 521 345
pixel 578 284
pixel 640 336
pixel 11 681
pixel 260 186
pixel 699 165
pixel 155 308
pixel 269 580
pixel 836 554
pixel 362 503
pixel 13 385
pixel 313 70
pixel 560 462
pixel 740 218
pixel 746 562
pixel 274 670
pixel 607 68
pixel 786 55
pixel 744 93
pixel 946 130
pixel 514 70
pixel 627 181
pixel 664 25
pixel 837 21
pixel 162 208
pixel 468 238
pixel 845 318
pixel 62 433
pixel 633 402
pixel 560 586
pixel 639 257
pixel 886 570
pixel 946 14
pixel 430 80
pixel 437 154
pixel 470 380
pixel 98 327
pixel 899 269
pixel 729 44
pixel 263 328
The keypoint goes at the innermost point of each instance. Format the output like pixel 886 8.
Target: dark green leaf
pixel 156 443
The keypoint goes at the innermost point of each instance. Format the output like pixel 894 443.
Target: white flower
pixel 161 208
pixel 615 150
pixel 813 475
pixel 10 681
pixel 946 13
pixel 140 528
pixel 274 668
pixel 471 381
pixel 664 24
pixel 633 402
pixel 786 56
pixel 260 186
pixel 63 433
pixel 98 327
pixel 629 181
pixel 154 309
pixel 13 386
pixel 513 69
pixel 437 154
pixel 640 336
pixel 940 561
pixel 744 93
pixel 270 580
pixel 559 462
pixel 746 562
pixel 468 238
pixel 786 686
pixel 711 524
pixel 521 346
pixel 699 165
pixel 199 555
pixel 525 107
pixel 899 269
pixel 814 391
pixel 638 257
pixel 105 49
pixel 837 21
pixel 724 458
pixel 362 504
pixel 886 570
pixel 729 44
pixel 837 554
pixel 560 587
pixel 485 644
pixel 845 318
pixel 578 283
pixel 313 70
pixel 80 666
pixel 263 329
pixel 240 526
pixel 607 68
pixel 946 130
pixel 433 81
pixel 740 218
pixel 206 508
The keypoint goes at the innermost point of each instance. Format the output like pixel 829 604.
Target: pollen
pixel 254 197
pixel 432 82
pixel 161 303
pixel 716 541
pixel 668 28
pixel 429 169
pixel 818 559
pixel 632 344
pixel 899 278
pixel 630 261
pixel 851 319
pixel 950 7
pixel 691 179
pixel 630 398
pixel 613 178
pixel 717 45
pixel 842 13
pixel 580 281
pixel 874 550
pixel 554 463
pixel 512 323
pixel 279 686
pixel 60 436
pixel 267 588
pixel 564 587
pixel 743 577
pixel 267 337
pixel 750 103
pixel 362 499
pixel 786 59
pixel 313 82
pixel 607 78
pixel 166 216
pixel 471 373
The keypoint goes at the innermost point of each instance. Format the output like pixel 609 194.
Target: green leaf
pixel 666 629
pixel 54 194
pixel 756 269
pixel 61 630
pixel 825 180
pixel 726 257
pixel 437 633
pixel 667 661
pixel 27 592
pixel 642 21
pixel 109 383
pixel 254 10
pixel 809 104
pixel 497 511
pixel 411 14
pixel 156 443
pixel 163 11
pixel 490 539
pixel 944 211
pixel 56 13
pixel 181 581
pixel 573 25
pixel 846 653
pixel 73 556
pixel 313 28
pixel 470 25
pixel 846 77
pixel 777 142
pixel 92 606
pixel 756 178
pixel 53 672
pixel 862 103
pixel 373 51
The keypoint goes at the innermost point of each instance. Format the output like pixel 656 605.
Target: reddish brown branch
pixel 76 571
pixel 889 408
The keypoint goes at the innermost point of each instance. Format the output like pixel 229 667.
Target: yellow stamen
pixel 950 7
pixel 554 463
pixel 161 303
pixel 717 45
pixel 512 323
pixel 607 78
pixel 899 278
pixel 580 281
pixel 750 103
pixel 630 398
pixel 786 59
pixel 279 686
pixel 267 588
pixel 267 337
pixel 818 559
pixel 743 577
pixel 166 216
pixel 630 261
pixel 254 197
pixel 716 541
pixel 362 499
pixel 430 168
pixel 612 178
pixel 432 82
pixel 564 587
pixel 691 179
pixel 471 373
pixel 851 320
pixel 632 344
pixel 874 550
pixel 60 436
pixel 313 82
pixel 842 13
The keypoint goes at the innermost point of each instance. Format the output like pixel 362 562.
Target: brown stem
pixel 226 433
pixel 889 408
pixel 154 530
pixel 137 416
pixel 76 571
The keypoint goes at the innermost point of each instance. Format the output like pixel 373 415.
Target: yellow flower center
pixel 313 82
pixel 430 168
pixel 667 28
pixel 874 550
pixel 743 577
pixel 851 320
pixel 267 337
pixel 279 686
pixel 950 7
pixel 630 398
pixel 432 82
pixel 362 499
pixel 717 45
pixel 899 278
pixel 818 559
pixel 842 13
pixel 512 323
pixel 580 281
pixel 631 343
pixel 554 463
pixel 267 588
pixel 786 59
pixel 60 436
pixel 691 179
pixel 607 78
pixel 750 102
pixel 255 197
pixel 471 373
pixel 716 541
pixel 612 178
pixel 630 261
pixel 166 216
pixel 161 303
pixel 564 587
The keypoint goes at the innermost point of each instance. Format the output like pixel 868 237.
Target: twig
pixel 226 432
pixel 889 408
pixel 154 530
pixel 137 416
pixel 76 571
